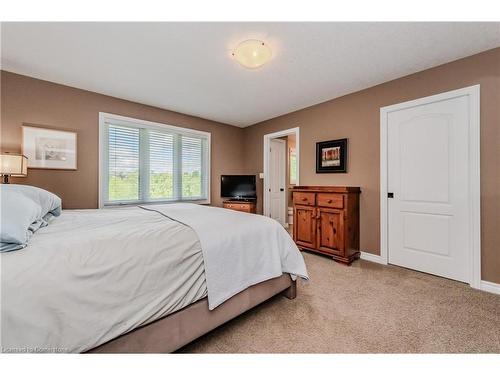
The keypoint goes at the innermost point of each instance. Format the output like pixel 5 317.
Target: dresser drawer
pixel 243 207
pixel 237 206
pixel 305 199
pixel 330 200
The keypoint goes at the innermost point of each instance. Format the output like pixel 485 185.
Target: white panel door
pixel 428 217
pixel 277 176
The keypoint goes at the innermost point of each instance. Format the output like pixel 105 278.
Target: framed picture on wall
pixel 49 148
pixel 331 156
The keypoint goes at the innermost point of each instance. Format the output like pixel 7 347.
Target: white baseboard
pixel 372 258
pixel 488 286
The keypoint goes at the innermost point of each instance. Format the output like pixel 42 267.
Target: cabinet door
pixel 331 231
pixel 304 223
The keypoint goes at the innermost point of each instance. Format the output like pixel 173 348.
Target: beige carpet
pixel 365 308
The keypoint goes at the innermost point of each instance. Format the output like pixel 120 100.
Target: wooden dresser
pixel 326 220
pixel 243 206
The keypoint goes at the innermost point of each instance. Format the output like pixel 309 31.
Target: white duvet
pixel 92 275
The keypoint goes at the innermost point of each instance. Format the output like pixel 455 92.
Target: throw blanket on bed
pixel 239 249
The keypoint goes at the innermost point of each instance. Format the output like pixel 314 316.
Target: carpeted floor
pixel 365 308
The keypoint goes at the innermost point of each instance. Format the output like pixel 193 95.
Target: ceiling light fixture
pixel 252 53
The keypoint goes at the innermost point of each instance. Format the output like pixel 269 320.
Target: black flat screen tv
pixel 238 187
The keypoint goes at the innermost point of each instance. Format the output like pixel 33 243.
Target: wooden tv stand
pixel 243 206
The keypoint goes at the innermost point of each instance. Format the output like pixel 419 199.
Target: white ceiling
pixel 187 67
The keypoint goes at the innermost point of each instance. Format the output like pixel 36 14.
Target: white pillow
pixel 49 202
pixel 24 210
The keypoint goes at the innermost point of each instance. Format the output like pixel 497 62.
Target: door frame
pixel 473 92
pixel 267 145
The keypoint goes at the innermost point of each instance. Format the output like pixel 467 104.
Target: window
pixel 145 162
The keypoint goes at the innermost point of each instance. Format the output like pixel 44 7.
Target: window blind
pixel 145 163
pixel 123 166
pixel 161 165
pixel 191 182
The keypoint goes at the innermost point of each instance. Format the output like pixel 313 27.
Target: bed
pixel 141 279
pixel 168 334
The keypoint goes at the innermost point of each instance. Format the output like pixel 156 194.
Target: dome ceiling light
pixel 252 53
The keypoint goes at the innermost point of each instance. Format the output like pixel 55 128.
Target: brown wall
pixel 29 100
pixel 356 116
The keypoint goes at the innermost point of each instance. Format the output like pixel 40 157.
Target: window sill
pixel 132 204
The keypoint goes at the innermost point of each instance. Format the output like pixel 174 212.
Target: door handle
pixel 390 195
pixel 282 189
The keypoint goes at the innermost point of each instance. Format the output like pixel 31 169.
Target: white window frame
pixel 129 121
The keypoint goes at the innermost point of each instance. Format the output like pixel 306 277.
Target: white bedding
pixel 92 275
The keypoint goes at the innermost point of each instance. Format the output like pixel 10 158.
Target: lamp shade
pixel 13 165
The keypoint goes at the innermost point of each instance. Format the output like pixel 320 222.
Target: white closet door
pixel 428 216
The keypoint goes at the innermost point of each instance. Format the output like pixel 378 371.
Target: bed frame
pixel 172 332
